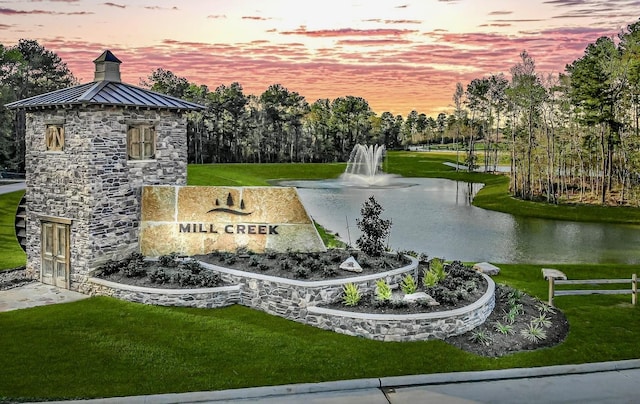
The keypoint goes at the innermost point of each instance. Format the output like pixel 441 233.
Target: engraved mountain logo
pixel 228 208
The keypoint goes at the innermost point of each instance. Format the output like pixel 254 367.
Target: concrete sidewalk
pixel 608 382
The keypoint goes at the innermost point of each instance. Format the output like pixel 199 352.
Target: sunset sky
pixel 398 55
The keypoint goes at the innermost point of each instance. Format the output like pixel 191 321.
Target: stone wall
pixel 92 183
pixel 290 298
pixel 299 300
pixel 206 298
pixel 406 327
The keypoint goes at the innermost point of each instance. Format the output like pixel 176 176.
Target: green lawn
pixel 103 347
pixel 259 174
pixel 11 255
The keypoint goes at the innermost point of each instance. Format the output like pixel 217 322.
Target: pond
pixel 435 217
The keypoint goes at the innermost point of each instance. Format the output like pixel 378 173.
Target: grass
pixel 103 347
pixel 259 174
pixel 11 255
pixel 120 348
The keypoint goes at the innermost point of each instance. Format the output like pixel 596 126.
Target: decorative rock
pixel 414 297
pixel 487 268
pixel 351 265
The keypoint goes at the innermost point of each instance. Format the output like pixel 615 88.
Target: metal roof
pixel 105 93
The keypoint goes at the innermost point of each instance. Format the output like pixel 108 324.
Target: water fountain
pixel 364 168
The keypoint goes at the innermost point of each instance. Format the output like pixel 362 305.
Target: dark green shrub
pixel 208 279
pixel 443 295
pixel 192 266
pixel 184 277
pixel 374 229
pixel 263 267
pixel 169 261
pixel 329 271
pixel 398 304
pixel 135 266
pixel 314 265
pixel 365 263
pixel 286 265
pixel 159 275
pixel 301 272
pixel 110 267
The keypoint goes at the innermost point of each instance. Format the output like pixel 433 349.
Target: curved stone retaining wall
pixel 290 298
pixel 297 300
pixel 406 327
pixel 201 297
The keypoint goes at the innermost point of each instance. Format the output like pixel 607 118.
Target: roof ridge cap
pixel 92 91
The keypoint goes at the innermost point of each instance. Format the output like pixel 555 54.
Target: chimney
pixel 107 67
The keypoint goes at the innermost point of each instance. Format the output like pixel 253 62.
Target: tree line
pixel 572 136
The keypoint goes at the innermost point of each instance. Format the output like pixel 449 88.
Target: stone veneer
pixel 92 184
pixel 299 300
pixel 406 327
pixel 207 298
pixel 290 298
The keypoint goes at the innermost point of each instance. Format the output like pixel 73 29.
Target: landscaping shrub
pixel 191 265
pixel 109 268
pixel 135 266
pixel 168 261
pixel 159 275
pixel 374 229
pixel 409 285
pixel 301 272
pixel 352 295
pixel 383 291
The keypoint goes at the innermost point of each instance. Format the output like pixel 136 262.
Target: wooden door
pixel 55 254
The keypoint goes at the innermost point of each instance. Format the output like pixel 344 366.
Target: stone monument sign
pixel 192 220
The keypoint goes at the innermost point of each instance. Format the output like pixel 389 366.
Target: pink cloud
pixel 348 32
pixel 392 73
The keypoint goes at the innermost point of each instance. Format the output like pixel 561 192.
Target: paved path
pixel 602 383
pixel 16 186
pixel 36 294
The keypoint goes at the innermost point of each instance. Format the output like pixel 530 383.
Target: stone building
pixel 89 150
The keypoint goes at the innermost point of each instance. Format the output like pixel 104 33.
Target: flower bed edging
pixel 297 300
pixel 406 327
pixel 290 298
pixel 197 297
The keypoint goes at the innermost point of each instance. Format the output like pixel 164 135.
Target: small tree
pixel 374 229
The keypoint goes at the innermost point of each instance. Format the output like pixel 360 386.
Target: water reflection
pixel 435 216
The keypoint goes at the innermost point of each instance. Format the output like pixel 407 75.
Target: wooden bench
pixel 557 277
